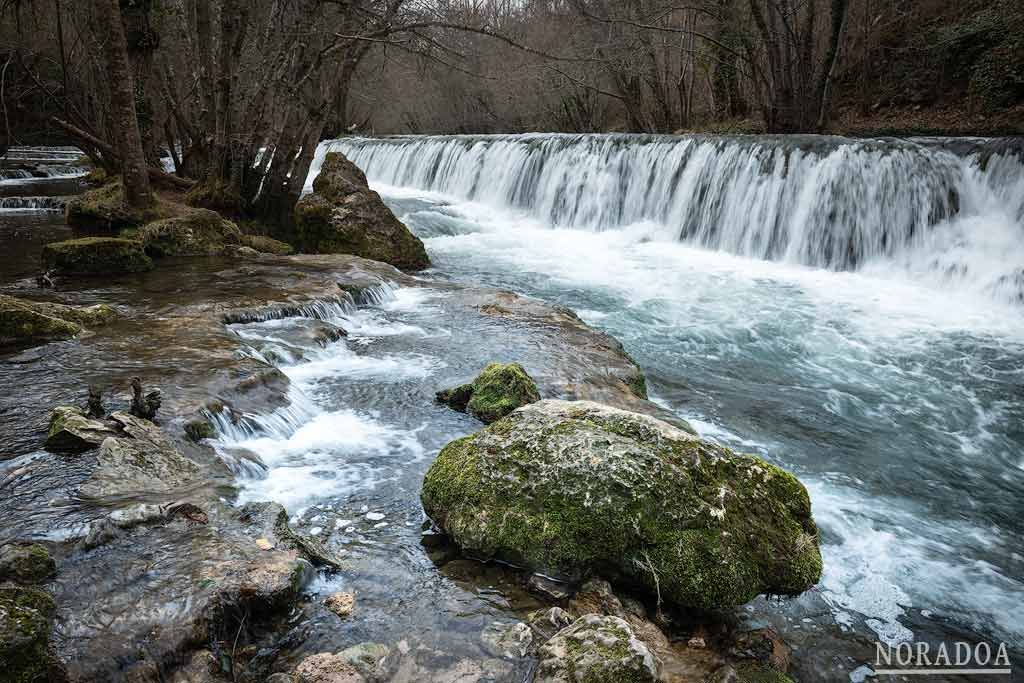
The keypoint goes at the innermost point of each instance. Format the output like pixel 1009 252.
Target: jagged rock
pixel 327 668
pixel 496 392
pixel 341 604
pixel 594 649
pixel 547 587
pixel 344 216
pixel 95 256
pixel 567 488
pixel 547 622
pixel 26 563
pixel 266 245
pixel 198 232
pixel 26 618
pixel 72 432
pixel 144 406
pixel 145 460
pixel 511 641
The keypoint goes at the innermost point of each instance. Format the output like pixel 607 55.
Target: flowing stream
pixel 851 310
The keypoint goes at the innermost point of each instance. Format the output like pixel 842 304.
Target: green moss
pixel 26 617
pixel 500 389
pixel 95 256
pixel 456 397
pixel 26 563
pixel 199 429
pixel 199 232
pixel 215 195
pixel 103 209
pixel 22 326
pixel 585 492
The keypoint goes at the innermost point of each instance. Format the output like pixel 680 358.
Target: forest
pixel 239 92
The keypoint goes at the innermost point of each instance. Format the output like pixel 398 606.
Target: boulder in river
pixel 96 256
pixel 572 489
pixel 496 392
pixel 35 322
pixel 72 432
pixel 197 232
pixel 344 216
pixel 26 563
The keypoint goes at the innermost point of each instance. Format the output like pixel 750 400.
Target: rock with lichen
pixel 26 619
pixel 595 649
pixel 344 216
pixel 570 489
pixel 95 256
pixel 496 392
pixel 267 245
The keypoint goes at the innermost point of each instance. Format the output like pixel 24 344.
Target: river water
pixel 849 310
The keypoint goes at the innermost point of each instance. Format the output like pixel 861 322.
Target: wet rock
pixel 327 668
pixel 26 563
pixel 85 316
pixel 199 429
pixel 763 646
pixel 95 256
pixel 21 326
pixel 547 587
pixel 341 604
pixel 145 460
pixel 565 487
pixel 144 406
pixel 198 232
pixel 266 245
pixel 72 432
pixel 547 622
pixel 596 648
pixel 26 618
pixel 273 519
pixel 511 641
pixel 94 408
pixel 344 216
pixel 496 392
pixel 367 658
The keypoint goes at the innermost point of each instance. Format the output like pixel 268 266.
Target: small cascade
pixel 32 203
pixel 824 202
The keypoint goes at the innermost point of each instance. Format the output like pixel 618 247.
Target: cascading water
pixel 822 202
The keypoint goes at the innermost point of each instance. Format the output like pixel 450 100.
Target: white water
pixel 886 373
pixel 953 220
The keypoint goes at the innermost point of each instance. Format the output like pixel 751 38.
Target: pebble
pixel 374 516
pixel 315 531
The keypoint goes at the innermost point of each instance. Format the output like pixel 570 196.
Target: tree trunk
pixel 137 192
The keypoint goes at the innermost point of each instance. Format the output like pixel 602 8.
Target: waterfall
pixel 825 202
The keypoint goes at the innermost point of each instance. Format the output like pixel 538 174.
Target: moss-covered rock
pixel 89 316
pixel 72 432
pixel 199 429
pixel 496 392
pixel 573 489
pixel 26 618
pixel 20 326
pixel 344 216
pixel 96 256
pixel 596 649
pixel 266 245
pixel 215 195
pixel 103 209
pixel 199 232
pixel 26 563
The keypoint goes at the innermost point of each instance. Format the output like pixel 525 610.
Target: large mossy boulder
pixel 24 322
pixel 344 216
pixel 103 210
pixel 95 256
pixel 26 619
pixel 198 232
pixel 576 489
pixel 496 392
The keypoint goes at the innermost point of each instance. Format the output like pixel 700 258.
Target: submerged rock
pixel 26 618
pixel 341 604
pixel 198 232
pixel 596 649
pixel 570 489
pixel 496 392
pixel 344 216
pixel 96 256
pixel 72 432
pixel 26 563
